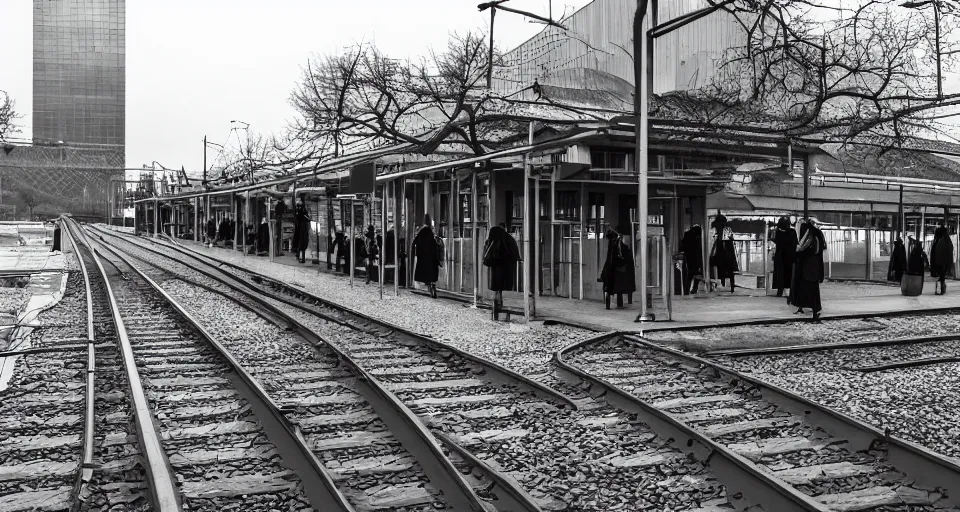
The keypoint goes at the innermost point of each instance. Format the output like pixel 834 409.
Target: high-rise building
pixel 79 71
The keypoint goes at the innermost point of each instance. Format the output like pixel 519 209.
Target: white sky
pixel 193 66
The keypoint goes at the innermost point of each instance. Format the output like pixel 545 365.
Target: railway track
pixel 833 461
pixel 566 455
pixel 208 439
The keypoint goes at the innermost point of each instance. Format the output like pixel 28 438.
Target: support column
pixel 383 229
pixel 397 225
pixel 236 220
pixel 765 252
pixel 156 216
pixel 537 267
pixel 351 239
pixel 270 233
pixel 196 219
pixel 477 246
pixel 526 230
pixel 584 204
pixel 553 234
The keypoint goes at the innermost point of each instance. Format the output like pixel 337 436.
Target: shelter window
pixel 567 205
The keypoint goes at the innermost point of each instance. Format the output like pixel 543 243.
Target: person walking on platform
pixel 692 248
pixel 301 231
pixel 941 259
pixel 617 273
pixel 211 231
pixel 426 256
pixel 224 232
pixel 373 253
pixel 898 262
pixel 279 210
pixel 786 251
pixel 808 270
pixel 723 255
pixel 500 254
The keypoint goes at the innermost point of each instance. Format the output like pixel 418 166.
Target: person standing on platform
pixel 941 259
pixel 372 248
pixel 301 231
pixel 263 238
pixel 617 275
pixel 211 231
pixel 723 255
pixel 786 251
pixel 279 210
pixel 426 256
pixel 898 262
pixel 692 249
pixel 808 270
pixel 501 254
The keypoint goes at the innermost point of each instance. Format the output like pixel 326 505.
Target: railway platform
pixel 746 305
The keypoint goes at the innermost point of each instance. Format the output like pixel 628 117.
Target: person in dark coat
pixel 211 231
pixel 692 248
pixel 402 254
pixel 225 231
pixel 617 273
pixel 898 262
pixel 501 254
pixel 280 210
pixel 941 258
pixel 426 255
pixel 342 250
pixel 917 259
pixel 786 241
pixel 301 231
pixel 723 255
pixel 372 250
pixel 263 237
pixel 808 270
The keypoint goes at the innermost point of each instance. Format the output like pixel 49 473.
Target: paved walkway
pixel 705 309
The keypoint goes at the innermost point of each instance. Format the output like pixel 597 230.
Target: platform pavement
pixel 705 309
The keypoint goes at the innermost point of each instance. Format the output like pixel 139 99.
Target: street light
pixel 936 37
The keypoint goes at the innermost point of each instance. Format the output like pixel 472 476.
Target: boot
pixel 943 288
pixel 606 299
pixel 629 298
pixel 619 301
pixel 816 317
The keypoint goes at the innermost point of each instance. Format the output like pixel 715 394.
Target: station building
pixel 583 180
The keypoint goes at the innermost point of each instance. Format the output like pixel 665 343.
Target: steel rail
pixel 813 347
pixel 496 372
pixel 402 422
pixel 85 475
pixel 906 363
pixel 925 466
pixel 317 482
pixel 740 476
pixel 163 489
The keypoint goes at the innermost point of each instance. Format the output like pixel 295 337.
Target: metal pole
pixel 204 161
pixel 936 25
pixel 396 238
pixel 536 244
pixel 451 249
pixel 477 257
pixel 526 229
pixel 643 77
pixel 270 231
pixel 583 226
pixel 493 13
pixel 156 216
pixel 383 229
pixel 236 219
pixel 351 238
pixel 405 225
pixel 553 234
pixel 765 252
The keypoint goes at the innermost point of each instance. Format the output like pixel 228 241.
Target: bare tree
pixel 8 115
pixel 808 68
pixel 364 98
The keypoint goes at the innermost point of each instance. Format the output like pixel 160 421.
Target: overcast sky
pixel 192 66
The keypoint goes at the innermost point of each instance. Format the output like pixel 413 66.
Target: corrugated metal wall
pixel 600 37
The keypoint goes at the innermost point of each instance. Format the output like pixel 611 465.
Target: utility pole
pixel 204 159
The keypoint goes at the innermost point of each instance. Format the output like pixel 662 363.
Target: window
pixel 567 205
pixel 608 160
pixel 597 202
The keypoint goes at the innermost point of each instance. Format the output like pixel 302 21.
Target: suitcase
pixel 911 286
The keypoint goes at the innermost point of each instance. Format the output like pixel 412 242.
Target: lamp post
pixel 936 37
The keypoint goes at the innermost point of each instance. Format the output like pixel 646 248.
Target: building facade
pixel 79 71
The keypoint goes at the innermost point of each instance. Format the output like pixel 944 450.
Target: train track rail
pixel 210 438
pixel 825 460
pixel 45 418
pixel 567 455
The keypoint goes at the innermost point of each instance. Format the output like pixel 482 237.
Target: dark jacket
pixel 786 241
pixel 618 273
pixel 809 260
pixel 898 262
pixel 301 228
pixel 941 253
pixel 501 254
pixel 917 260
pixel 691 246
pixel 388 245
pixel 427 255
pixel 280 209
pixel 263 237
pixel 723 254
pixel 211 229
pixel 224 233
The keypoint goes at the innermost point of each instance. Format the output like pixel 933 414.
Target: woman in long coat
pixel 786 241
pixel 426 255
pixel 898 262
pixel 211 231
pixel 301 231
pixel 692 258
pixel 808 270
pixel 617 275
pixel 941 258
pixel 263 237
pixel 501 254
pixel 723 256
